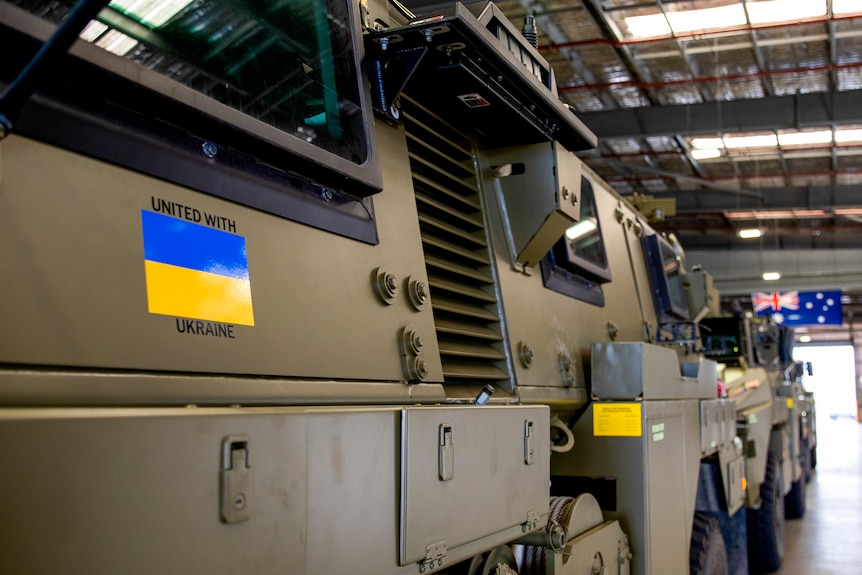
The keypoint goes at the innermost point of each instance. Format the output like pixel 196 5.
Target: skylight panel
pixel 754 141
pixel 707 18
pixel 92 31
pixel 707 143
pixel 848 136
pixel 648 26
pixel 116 43
pixel 785 10
pixel 152 13
pixel 805 138
pixel 846 7
pixel 706 154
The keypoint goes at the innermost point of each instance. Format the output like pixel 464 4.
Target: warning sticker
pixel 617 420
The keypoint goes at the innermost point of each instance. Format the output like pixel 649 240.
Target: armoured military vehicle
pixel 776 424
pixel 322 287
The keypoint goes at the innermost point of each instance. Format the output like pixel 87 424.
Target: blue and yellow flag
pixel 195 271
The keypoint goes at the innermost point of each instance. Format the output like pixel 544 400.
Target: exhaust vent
pixel 457 258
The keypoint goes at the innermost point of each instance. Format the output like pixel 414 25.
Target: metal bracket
pixel 389 71
pixel 434 554
pixel 532 522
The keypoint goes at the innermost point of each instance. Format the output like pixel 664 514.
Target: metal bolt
pixel 209 149
pixel 413 340
pixel 421 368
pixel 565 191
pixel 526 353
pixel 239 502
pixel 326 194
pixel 391 283
pixel 574 199
pixel 421 292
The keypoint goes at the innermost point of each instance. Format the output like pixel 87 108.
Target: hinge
pixel 434 554
pixel 532 522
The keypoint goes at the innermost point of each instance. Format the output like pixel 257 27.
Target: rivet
pixel 209 149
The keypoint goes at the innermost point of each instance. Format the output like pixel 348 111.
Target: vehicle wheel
pixel 805 459
pixel 498 560
pixel 707 554
pixel 813 458
pixel 766 525
pixel 794 501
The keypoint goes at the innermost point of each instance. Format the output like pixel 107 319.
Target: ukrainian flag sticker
pixel 195 271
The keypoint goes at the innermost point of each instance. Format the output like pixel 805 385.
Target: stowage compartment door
pixel 471 458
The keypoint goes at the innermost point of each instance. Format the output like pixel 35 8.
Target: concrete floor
pixel 828 540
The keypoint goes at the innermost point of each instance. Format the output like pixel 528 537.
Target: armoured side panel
pixel 650 470
pixel 76 291
pixel 455 459
pixel 281 490
pixel 134 491
pixel 555 326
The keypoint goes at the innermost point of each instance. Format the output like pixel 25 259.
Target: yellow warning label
pixel 617 420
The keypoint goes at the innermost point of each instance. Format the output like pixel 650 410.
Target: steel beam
pixel 776 113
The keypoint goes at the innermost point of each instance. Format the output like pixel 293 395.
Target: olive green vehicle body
pixel 337 431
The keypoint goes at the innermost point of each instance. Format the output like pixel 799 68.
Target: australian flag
pixel 799 307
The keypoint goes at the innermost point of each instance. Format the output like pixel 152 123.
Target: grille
pixel 457 258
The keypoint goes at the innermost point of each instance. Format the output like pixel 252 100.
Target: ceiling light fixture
pixel 804 339
pixel 771 276
pixel 750 233
pixel 775 214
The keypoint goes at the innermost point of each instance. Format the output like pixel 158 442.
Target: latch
pixel 529 448
pixel 446 453
pixel 235 474
pixel 434 554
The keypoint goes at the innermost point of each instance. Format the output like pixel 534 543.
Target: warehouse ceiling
pixel 718 116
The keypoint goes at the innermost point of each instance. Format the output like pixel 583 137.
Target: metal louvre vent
pixel 457 258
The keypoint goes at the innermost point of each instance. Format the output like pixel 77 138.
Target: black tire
pixel 805 459
pixel 707 554
pixel 794 501
pixel 813 458
pixel 765 526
